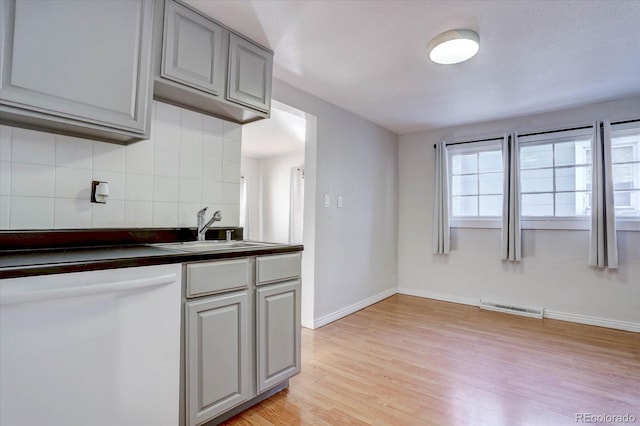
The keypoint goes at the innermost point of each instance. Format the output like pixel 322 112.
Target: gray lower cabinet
pixel 79 67
pixel 217 357
pixel 278 333
pixel 192 49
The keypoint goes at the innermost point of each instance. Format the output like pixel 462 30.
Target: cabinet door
pixel 192 49
pixel 87 61
pixel 278 334
pixel 216 355
pixel 250 70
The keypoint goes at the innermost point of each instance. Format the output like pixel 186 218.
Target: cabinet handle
pixel 82 289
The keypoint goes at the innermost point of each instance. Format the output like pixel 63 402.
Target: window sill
pixel 580 224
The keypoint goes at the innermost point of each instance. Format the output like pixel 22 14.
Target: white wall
pixel 250 169
pixel 554 272
pixel 355 246
pixel 276 183
pixel 190 161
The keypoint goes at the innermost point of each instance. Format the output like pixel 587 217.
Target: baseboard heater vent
pixel 511 309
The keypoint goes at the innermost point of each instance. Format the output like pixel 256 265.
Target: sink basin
pixel 211 245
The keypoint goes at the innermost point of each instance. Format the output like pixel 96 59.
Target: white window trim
pixel 567 224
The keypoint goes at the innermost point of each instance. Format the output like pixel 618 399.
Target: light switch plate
pixel 339 201
pixel 327 201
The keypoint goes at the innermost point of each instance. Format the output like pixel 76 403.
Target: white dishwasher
pixel 98 348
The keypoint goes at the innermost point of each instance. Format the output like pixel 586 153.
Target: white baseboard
pixel 600 322
pixel 439 296
pixel 351 309
pixel 306 323
pixel 551 314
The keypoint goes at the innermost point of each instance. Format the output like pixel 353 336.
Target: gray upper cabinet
pixel 250 69
pixel 204 66
pixel 78 67
pixel 192 51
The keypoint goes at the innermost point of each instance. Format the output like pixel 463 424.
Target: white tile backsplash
pixel 5 143
pixel 45 179
pixel 231 131
pixel 212 147
pixel 190 166
pixel 5 178
pixel 212 169
pixel 29 146
pixel 167 138
pixel 109 215
pixel 166 163
pixel 31 213
pixel 73 183
pixel 71 213
pixel 138 160
pixel 73 152
pixel 5 209
pixel 191 121
pixel 164 215
pixel 138 187
pixel 138 213
pixel 108 157
pixel 35 180
pixel 212 127
pixel 189 191
pixel 167 115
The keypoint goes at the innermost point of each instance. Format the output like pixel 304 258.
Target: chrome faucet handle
pixel 217 216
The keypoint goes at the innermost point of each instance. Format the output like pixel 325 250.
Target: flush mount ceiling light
pixel 454 46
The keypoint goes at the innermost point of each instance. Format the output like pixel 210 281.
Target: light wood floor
pixel 414 361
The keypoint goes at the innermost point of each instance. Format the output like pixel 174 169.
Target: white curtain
pixel 244 207
pixel 511 248
pixel 441 237
pixel 603 248
pixel 296 205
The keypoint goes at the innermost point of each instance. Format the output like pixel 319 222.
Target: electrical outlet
pixel 339 203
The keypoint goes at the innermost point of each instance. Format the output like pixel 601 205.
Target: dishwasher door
pixel 91 348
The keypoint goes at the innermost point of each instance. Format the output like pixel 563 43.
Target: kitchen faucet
pixel 202 227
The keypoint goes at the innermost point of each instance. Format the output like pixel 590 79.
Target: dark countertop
pixel 24 263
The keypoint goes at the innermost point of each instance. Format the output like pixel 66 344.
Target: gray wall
pixel 355 246
pixel 554 272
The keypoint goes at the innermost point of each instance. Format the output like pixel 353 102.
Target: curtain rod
pixel 474 141
pixel 546 132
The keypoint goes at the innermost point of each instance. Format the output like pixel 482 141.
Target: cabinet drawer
pixel 277 268
pixel 214 277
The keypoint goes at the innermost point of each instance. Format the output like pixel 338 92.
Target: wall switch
pixel 339 201
pixel 327 201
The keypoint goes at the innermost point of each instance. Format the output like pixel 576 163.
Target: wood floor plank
pixel 414 361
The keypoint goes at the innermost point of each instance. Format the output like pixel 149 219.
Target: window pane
pixel 537 204
pixel 536 180
pixel 621 154
pixel 464 185
pixel 490 161
pixel 572 204
pixel 464 206
pixel 491 183
pixel 574 152
pixel 536 156
pixel 626 176
pixel 627 203
pixel 491 205
pixel 573 178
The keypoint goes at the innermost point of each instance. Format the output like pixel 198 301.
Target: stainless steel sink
pixel 211 245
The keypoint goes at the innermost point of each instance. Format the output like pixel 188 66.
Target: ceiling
pixel 283 133
pixel 369 57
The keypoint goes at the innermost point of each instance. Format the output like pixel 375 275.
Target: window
pixel 555 175
pixel 625 159
pixel 475 176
